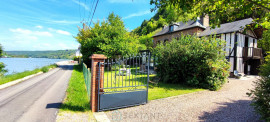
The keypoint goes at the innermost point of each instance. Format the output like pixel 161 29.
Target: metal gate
pixel 125 82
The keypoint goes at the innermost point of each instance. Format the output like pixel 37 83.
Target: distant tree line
pixel 57 54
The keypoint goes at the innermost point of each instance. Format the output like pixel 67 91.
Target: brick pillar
pixel 94 79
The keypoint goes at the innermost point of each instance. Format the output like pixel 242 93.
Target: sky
pixel 52 24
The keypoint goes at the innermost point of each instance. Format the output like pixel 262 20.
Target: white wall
pixel 240 44
pixel 231 62
pixel 250 42
pixel 232 42
pixel 227 43
pixel 255 45
pixel 240 65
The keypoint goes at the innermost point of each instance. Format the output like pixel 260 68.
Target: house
pixel 241 44
pixel 78 52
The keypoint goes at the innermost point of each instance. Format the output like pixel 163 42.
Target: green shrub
pixel 261 93
pixel 45 69
pixel 198 62
pixel 2 70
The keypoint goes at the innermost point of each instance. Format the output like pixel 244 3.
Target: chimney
pixel 164 27
pixel 205 20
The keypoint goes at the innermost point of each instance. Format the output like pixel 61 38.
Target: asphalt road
pixel 36 99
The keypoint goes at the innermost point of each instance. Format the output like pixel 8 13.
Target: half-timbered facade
pixel 241 44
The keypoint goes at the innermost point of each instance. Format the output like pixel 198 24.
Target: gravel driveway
pixel 228 104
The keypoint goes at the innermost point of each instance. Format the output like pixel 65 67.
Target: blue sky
pixel 52 24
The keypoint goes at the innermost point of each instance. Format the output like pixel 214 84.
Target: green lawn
pixel 167 90
pixel 162 90
pixel 12 77
pixel 76 102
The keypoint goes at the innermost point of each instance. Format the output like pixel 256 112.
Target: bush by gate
pixel 194 61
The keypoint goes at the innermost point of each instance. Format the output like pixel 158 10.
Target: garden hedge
pixel 198 62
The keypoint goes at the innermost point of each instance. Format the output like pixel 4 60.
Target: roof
pixel 227 27
pixel 181 26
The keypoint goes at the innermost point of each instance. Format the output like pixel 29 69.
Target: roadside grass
pixel 12 77
pixel 76 102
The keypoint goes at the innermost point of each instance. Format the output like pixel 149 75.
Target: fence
pixel 124 81
pixel 87 79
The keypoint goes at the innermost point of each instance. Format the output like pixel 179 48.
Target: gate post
pixel 94 78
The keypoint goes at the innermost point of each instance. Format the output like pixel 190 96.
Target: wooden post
pixel 94 78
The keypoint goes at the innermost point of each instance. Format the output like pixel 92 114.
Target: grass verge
pixel 12 77
pixel 76 105
pixel 163 90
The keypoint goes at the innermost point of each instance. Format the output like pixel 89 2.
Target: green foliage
pixel 147 40
pixel 44 69
pixel 1 50
pixel 2 70
pixel 219 10
pixel 267 58
pixel 261 93
pixel 198 62
pixel 2 65
pixel 77 58
pixel 108 37
pixel 162 17
pixel 58 54
pixel 264 43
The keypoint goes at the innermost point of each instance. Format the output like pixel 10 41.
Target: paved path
pixel 228 104
pixel 36 99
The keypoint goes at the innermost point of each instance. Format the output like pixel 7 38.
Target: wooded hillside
pixel 57 54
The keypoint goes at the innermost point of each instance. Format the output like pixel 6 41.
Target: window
pixel 171 28
pixel 246 42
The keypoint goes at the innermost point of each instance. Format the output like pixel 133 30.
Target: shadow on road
pixel 232 111
pixel 53 105
pixel 66 67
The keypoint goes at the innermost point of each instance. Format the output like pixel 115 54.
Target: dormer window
pixel 171 28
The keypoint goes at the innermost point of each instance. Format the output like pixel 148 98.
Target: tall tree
pixel 109 37
pixel 264 43
pixel 220 11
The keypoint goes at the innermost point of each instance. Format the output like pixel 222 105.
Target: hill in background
pixel 57 54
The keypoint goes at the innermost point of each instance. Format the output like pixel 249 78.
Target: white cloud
pixel 63 32
pixel 31 33
pixel 39 27
pixel 137 14
pixel 60 31
pixel 81 4
pixel 127 1
pixel 63 22
pixel 27 39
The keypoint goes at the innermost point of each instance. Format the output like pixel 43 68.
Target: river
pixel 15 65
